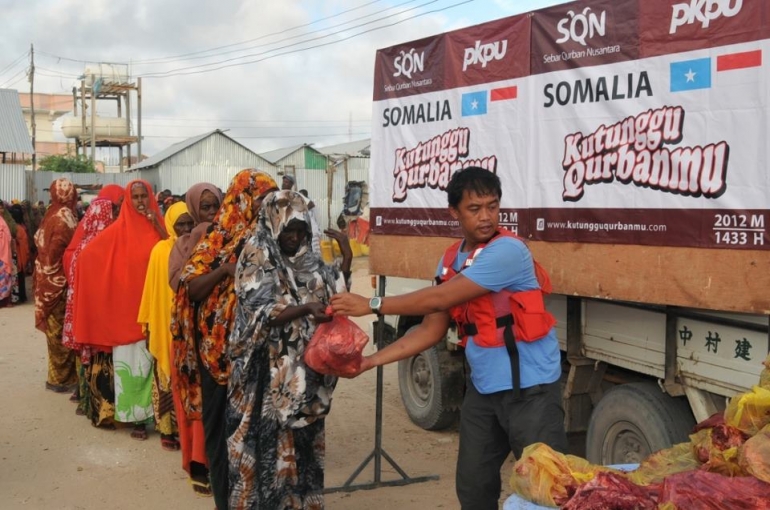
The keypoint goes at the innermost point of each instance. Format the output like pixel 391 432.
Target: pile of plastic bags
pixel 726 464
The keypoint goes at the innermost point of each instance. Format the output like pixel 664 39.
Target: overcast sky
pixel 307 96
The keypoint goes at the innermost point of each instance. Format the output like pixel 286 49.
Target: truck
pixel 631 141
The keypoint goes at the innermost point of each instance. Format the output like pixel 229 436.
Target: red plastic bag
pixel 336 347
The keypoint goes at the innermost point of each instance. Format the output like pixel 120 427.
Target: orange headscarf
pixel 110 282
pixel 232 226
pixel 111 192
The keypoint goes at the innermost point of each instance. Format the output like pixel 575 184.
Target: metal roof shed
pixel 14 137
pixel 297 157
pixel 14 144
pixel 210 157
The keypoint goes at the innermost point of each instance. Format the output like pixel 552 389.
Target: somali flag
pixel 474 103
pixel 691 74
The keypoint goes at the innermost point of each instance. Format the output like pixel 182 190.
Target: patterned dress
pixel 276 404
pixel 51 240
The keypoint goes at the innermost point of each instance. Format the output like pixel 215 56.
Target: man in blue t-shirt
pixel 494 421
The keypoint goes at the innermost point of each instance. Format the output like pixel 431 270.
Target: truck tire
pixel 635 420
pixel 432 386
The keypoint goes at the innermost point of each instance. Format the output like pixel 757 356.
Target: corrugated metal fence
pixel 38 182
pixel 12 182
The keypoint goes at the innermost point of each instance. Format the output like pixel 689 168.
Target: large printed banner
pixel 597 133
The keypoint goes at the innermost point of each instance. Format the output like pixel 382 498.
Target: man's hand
pixel 350 304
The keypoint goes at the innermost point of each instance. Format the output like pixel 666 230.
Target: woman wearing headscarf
pixel 6 260
pixel 26 220
pixel 99 404
pixel 111 192
pixel 203 200
pixel 155 318
pixel 204 313
pixel 276 404
pixel 21 246
pixel 16 291
pixel 51 239
pixel 95 393
pixel 108 297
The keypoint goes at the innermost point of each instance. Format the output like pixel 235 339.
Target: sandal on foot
pixel 57 388
pixel 169 443
pixel 139 433
pixel 75 397
pixel 80 412
pixel 201 489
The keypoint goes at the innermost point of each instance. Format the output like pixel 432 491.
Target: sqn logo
pixel 583 25
pixel 408 63
pixel 703 11
pixel 484 53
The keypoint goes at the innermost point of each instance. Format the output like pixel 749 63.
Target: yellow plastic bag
pixel 660 464
pixel 754 455
pixel 548 478
pixel 750 411
pixel 717 448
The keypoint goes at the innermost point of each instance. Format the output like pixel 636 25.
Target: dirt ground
pixel 52 459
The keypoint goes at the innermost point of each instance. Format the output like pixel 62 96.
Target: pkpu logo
pixel 704 11
pixel 408 63
pixel 583 25
pixel 484 53
pixel 540 224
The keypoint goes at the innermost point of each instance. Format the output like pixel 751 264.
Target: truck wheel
pixel 432 387
pixel 634 420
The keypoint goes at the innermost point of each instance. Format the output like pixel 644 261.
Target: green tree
pixel 67 164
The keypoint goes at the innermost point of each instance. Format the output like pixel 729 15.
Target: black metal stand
pixel 378 453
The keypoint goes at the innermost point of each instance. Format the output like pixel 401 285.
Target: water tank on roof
pixel 72 127
pixel 110 74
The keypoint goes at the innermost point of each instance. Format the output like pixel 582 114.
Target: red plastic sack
pixel 336 347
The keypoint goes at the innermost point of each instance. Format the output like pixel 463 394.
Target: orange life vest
pixel 500 318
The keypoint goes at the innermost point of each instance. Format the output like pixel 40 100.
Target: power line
pixel 61 73
pixel 13 64
pixel 223 64
pixel 179 71
pixel 22 72
pixel 168 61
pixel 218 47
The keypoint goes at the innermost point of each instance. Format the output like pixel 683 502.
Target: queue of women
pixel 195 321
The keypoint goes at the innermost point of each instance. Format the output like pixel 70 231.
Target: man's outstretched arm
pixel 426 301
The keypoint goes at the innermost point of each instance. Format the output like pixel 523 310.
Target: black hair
pixel 476 179
pixel 17 213
pixel 303 192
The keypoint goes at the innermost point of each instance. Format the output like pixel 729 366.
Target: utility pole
pixel 32 103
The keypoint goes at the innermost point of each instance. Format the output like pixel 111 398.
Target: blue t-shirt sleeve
pixel 504 264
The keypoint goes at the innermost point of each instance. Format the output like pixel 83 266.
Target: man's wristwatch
pixel 375 304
